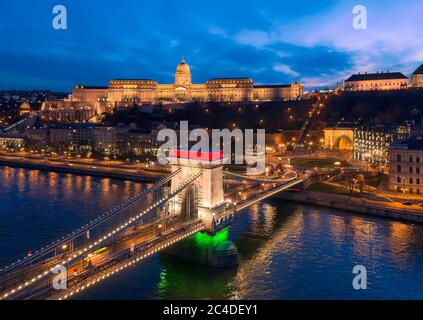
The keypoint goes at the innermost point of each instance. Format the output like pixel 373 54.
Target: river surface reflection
pixel 287 250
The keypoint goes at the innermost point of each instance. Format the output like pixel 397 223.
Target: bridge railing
pixel 30 279
pixel 82 231
pixel 268 193
pixel 123 262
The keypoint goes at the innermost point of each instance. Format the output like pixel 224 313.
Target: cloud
pixel 393 39
pixel 286 70
pixel 173 43
pixel 283 54
pixel 270 40
pixel 217 31
pixel 255 38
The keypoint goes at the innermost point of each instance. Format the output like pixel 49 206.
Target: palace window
pixel 398 157
pixel 410 169
pixel 398 168
pixel 410 180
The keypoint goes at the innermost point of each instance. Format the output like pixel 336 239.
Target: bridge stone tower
pixel 205 197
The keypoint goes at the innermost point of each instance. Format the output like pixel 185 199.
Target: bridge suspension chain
pixel 100 241
pixel 82 230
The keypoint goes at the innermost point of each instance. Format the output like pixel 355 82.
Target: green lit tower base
pixel 212 250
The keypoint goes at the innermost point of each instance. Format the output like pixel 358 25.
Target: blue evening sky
pixel 271 41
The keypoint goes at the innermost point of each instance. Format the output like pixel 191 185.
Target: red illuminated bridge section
pixel 197 155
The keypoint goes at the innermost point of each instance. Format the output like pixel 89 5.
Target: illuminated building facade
pixel 406 165
pixel 339 138
pixel 24 109
pixel 371 143
pixel 376 81
pixel 125 93
pixel 417 77
pixel 13 142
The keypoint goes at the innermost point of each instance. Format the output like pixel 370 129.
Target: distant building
pixel 104 137
pixel 24 109
pixel 406 165
pixel 371 142
pixel 376 81
pixel 14 142
pixel 417 78
pixel 123 93
pixel 75 112
pixel 61 134
pixel 37 136
pixel 76 134
pixel 136 142
pixel 339 138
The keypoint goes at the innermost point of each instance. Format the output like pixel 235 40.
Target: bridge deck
pixel 129 243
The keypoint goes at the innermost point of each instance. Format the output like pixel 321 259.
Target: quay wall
pixel 80 171
pixel 359 205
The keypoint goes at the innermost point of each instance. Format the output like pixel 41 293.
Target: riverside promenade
pixel 84 168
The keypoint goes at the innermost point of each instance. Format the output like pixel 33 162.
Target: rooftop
pixel 376 76
pixel 419 70
pixel 410 143
pixel 273 86
pixel 95 87
pixel 230 79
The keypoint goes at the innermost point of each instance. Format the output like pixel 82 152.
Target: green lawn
pixel 323 187
pixel 317 162
pixel 374 181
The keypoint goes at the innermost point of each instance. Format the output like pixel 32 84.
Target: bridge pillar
pixel 206 198
pixel 212 250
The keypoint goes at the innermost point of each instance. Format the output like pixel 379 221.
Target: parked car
pixel 407 203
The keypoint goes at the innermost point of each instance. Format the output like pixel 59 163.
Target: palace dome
pixel 183 73
pixel 183 67
pixel 25 106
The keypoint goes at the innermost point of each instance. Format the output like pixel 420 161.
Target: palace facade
pixel 125 92
pixel 376 81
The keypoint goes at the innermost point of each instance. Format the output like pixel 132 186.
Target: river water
pixel 287 250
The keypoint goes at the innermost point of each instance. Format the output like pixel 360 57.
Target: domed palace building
pixel 126 92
